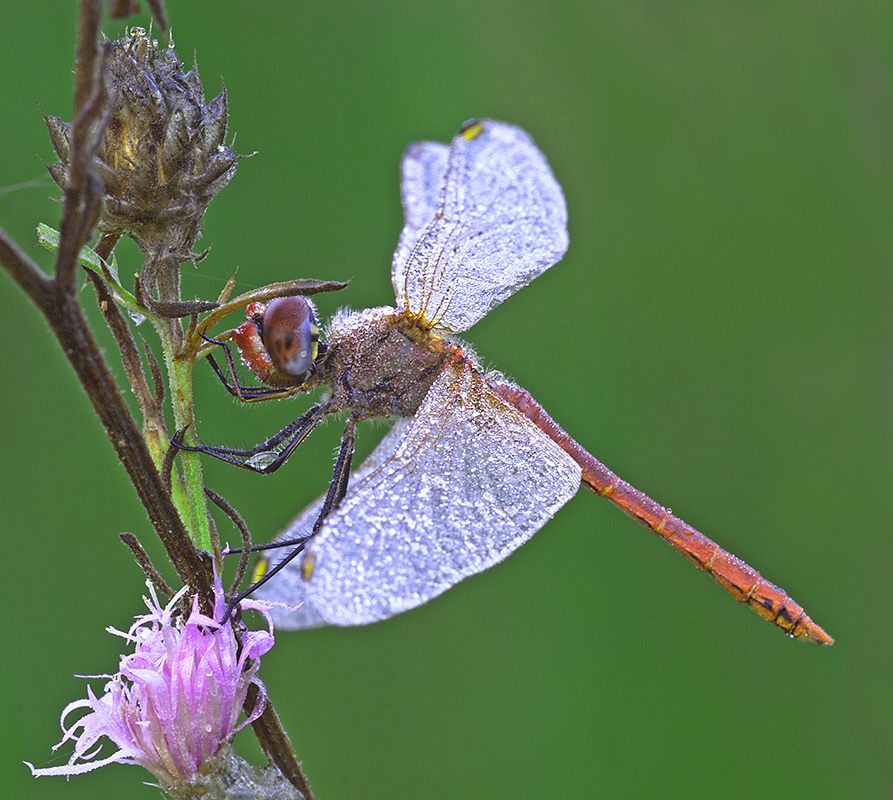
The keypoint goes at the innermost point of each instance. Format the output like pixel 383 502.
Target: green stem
pixel 158 443
pixel 190 497
pixel 187 494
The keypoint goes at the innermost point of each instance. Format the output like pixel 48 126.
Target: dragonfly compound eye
pixel 290 334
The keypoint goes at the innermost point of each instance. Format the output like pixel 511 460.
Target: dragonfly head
pixel 290 334
pixel 280 340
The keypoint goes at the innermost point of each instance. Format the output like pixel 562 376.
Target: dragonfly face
pixel 280 341
pixel 290 335
pixel 473 466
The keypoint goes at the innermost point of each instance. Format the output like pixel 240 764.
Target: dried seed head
pixel 163 156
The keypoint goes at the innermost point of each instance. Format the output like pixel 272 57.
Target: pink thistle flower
pixel 176 700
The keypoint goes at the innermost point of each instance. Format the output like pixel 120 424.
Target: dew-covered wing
pixel 287 586
pixel 470 481
pixel 499 221
pixel 422 170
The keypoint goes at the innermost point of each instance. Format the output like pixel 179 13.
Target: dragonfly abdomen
pixel 739 579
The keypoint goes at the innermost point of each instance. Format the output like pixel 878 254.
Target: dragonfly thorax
pixel 382 362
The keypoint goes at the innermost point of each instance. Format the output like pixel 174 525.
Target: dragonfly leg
pixel 231 605
pixel 338 486
pixel 335 494
pixel 247 394
pixel 266 457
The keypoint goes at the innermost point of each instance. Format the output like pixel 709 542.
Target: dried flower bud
pixel 163 156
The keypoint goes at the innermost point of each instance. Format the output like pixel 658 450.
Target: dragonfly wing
pixel 501 220
pixel 421 189
pixel 288 587
pixel 469 482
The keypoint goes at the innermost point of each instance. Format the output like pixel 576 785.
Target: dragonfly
pixel 473 465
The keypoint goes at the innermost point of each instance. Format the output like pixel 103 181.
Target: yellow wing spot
pixel 307 566
pixel 260 570
pixel 474 130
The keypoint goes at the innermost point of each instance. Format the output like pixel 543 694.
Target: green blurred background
pixel 719 334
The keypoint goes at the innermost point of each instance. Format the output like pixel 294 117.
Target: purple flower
pixel 176 700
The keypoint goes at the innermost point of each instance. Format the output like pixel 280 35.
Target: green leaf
pixel 49 238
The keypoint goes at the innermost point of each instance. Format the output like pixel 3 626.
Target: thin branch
pixel 38 286
pixel 88 50
pixel 58 302
pixel 83 195
pixel 155 370
pixel 142 558
pixel 275 743
pixel 237 520
pixel 130 355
